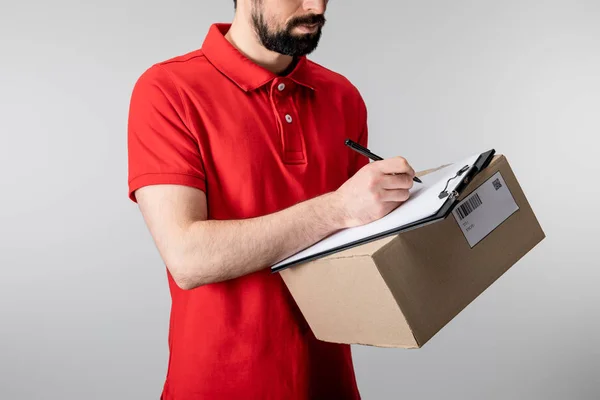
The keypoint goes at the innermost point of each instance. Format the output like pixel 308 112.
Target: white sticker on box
pixel 484 209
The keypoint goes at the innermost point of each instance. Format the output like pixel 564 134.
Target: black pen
pixel 366 152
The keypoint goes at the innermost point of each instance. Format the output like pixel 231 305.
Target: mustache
pixel 312 19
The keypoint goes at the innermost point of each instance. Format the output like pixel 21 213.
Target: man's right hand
pixel 374 191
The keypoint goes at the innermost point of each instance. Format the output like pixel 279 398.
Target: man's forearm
pixel 215 251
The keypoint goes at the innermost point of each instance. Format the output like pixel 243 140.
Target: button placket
pixel 294 141
pixel 282 95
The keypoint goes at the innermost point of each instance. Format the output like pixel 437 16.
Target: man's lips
pixel 308 27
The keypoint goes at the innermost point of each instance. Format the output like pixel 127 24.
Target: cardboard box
pixel 400 291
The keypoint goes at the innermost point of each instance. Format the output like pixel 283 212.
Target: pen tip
pixel 418 180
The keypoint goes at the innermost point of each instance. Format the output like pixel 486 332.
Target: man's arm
pixel 167 179
pixel 198 251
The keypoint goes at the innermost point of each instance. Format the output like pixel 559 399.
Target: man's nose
pixel 315 6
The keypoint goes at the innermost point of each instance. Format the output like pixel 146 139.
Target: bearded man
pixel 237 160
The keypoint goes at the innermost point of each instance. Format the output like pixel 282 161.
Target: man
pixel 237 160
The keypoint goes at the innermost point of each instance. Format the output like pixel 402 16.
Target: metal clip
pixel 453 194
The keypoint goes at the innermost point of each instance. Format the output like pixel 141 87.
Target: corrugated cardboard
pixel 401 290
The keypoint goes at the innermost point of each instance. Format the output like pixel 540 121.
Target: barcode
pixel 468 206
pixel 497 184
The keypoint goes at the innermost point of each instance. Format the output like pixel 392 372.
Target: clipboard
pixel 455 185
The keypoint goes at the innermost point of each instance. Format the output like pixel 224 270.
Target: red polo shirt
pixel 255 143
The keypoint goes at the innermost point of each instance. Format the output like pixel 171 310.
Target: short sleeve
pixel 359 160
pixel 161 149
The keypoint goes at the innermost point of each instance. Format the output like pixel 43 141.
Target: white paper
pixel 423 202
pixel 485 209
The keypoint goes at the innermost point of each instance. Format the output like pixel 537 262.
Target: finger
pixel 398 165
pixel 395 195
pixel 402 181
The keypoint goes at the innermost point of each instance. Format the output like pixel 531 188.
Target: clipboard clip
pixel 453 194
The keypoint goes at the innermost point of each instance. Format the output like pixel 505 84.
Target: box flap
pixel 365 249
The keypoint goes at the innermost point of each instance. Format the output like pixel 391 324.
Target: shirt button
pixel 281 86
pixel 288 118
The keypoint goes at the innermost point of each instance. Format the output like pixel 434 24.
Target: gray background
pixel 83 294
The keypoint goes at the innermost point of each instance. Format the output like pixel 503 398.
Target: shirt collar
pixel 240 69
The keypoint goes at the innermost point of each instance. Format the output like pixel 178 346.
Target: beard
pixel 283 41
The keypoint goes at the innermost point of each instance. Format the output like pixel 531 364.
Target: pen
pixel 366 152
